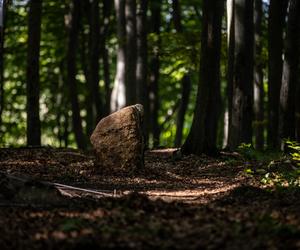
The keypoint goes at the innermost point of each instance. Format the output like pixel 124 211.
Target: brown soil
pixel 179 203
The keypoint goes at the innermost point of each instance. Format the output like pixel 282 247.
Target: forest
pixel 144 124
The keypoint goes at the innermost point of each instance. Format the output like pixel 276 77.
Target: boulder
pixel 118 140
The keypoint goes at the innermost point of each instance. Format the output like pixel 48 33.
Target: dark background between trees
pixel 210 73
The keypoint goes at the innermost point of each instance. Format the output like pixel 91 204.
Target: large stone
pixel 118 140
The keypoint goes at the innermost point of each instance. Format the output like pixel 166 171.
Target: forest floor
pixel 185 202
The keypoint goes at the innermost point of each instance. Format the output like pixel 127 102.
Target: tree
pixel 155 8
pixel 73 28
pixel 2 32
pixel 106 10
pixel 287 108
pixel 277 14
pixel 185 82
pixel 202 137
pixel 131 47
pixel 33 78
pixel 94 56
pixel 258 76
pixel 142 64
pixel 118 98
pixel 242 68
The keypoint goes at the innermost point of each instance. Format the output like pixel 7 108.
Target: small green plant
pixel 295 147
pixel 247 151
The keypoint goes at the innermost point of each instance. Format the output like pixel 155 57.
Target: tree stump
pixel 118 140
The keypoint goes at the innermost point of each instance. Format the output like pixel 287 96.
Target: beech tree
pixel 185 82
pixel 131 51
pixel 2 32
pixel 155 21
pixel 33 79
pixel 287 108
pixel 202 137
pixel 142 64
pixel 258 76
pixel 240 125
pixel 277 15
pixel 118 98
pixel 73 30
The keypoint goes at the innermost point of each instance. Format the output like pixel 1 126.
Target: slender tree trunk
pixel 258 77
pixel 277 14
pixel 184 102
pixel 94 57
pixel 88 100
pixel 131 47
pixel 73 28
pixel 290 72
pixel 185 82
pixel 155 7
pixel 118 98
pixel 33 77
pixel 176 15
pixel 2 34
pixel 142 65
pixel 107 6
pixel 230 64
pixel 202 137
pixel 242 87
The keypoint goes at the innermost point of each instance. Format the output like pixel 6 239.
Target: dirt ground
pixel 173 203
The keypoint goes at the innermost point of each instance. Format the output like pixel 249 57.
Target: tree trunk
pixel 94 57
pixel 230 64
pixel 184 102
pixel 242 85
pixel 131 47
pixel 277 14
pixel 33 76
pixel 185 82
pixel 202 137
pixel 155 7
pixel 142 64
pixel 73 28
pixel 2 32
pixel 258 77
pixel 290 72
pixel 107 6
pixel 118 98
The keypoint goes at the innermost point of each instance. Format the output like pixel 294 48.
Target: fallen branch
pixel 26 189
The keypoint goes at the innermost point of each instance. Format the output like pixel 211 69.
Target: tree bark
pixel 184 102
pixel 142 65
pixel 118 98
pixel 277 14
pixel 33 76
pixel 155 7
pixel 73 28
pixel 202 137
pixel 287 108
pixel 258 77
pixel 107 6
pixel 242 85
pixel 185 82
pixel 2 35
pixel 131 55
pixel 230 64
pixel 94 57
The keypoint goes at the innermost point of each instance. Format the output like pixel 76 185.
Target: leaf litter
pixel 188 202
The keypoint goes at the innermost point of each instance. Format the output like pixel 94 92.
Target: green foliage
pixel 295 147
pixel 247 151
pixel 277 170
